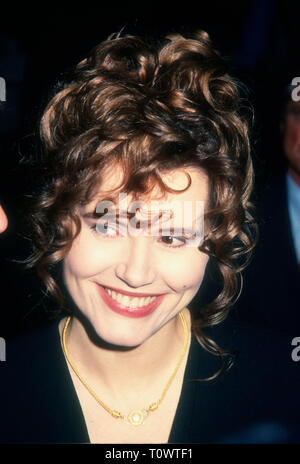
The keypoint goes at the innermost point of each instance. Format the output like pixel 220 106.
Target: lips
pixel 129 303
pixel 132 294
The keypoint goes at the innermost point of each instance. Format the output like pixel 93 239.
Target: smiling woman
pixel 140 111
pixel 161 127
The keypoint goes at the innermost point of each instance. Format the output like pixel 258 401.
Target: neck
pixel 137 370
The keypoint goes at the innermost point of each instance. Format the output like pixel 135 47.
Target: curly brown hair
pixel 149 108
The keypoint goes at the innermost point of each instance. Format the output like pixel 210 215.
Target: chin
pixel 121 341
pixel 118 337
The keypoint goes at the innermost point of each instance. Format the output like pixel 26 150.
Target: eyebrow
pixel 124 214
pixel 117 213
pixel 98 215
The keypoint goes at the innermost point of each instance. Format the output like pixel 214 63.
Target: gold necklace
pixel 136 416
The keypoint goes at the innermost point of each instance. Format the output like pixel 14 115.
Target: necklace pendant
pixel 136 417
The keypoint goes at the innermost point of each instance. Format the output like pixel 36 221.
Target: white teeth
pixel 127 302
pixel 134 302
pixel 117 297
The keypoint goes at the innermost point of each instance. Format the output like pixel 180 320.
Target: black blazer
pixel 255 401
pixel 271 293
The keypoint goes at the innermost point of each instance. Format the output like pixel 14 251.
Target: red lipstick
pixel 141 311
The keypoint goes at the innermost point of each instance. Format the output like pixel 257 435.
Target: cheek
pixel 86 257
pixel 185 272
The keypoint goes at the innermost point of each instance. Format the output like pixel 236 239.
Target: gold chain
pixel 137 416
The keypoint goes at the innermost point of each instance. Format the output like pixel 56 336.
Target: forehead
pixel 190 184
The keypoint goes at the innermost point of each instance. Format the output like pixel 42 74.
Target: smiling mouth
pixel 128 303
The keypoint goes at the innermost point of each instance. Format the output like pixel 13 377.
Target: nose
pixel 136 269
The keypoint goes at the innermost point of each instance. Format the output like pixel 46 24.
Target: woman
pixel 139 143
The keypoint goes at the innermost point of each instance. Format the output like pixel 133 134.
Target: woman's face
pixel 128 285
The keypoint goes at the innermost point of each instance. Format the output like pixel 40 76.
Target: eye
pixel 173 242
pixel 105 229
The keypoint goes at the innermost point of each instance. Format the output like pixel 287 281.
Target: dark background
pixel 259 38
